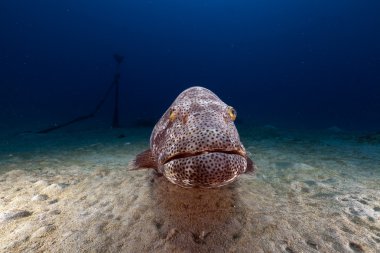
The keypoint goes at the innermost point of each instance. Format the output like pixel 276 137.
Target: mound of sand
pixel 73 210
pixel 309 195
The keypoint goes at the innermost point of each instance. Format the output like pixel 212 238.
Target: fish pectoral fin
pixel 251 166
pixel 143 160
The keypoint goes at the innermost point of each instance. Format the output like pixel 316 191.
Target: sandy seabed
pixel 70 192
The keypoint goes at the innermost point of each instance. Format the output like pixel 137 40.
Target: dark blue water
pixel 295 64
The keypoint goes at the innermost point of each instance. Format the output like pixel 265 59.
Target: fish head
pixel 196 143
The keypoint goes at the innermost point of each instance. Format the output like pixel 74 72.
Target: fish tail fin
pixel 143 160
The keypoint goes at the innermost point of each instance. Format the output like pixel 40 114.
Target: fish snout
pixel 209 139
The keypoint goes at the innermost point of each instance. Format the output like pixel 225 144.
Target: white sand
pixel 69 192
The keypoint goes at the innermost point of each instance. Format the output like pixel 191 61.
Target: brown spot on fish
pixel 195 143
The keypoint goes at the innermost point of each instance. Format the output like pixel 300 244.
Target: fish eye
pixel 231 112
pixel 172 114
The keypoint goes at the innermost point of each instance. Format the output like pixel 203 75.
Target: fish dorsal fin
pixel 143 160
pixel 251 166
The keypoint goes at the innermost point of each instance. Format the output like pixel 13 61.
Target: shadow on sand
pixel 207 220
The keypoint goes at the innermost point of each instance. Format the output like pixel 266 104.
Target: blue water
pixel 293 64
pixel 303 76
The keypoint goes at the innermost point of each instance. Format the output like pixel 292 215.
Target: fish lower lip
pixel 190 154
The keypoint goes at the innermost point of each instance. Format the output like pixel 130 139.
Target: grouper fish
pixel 196 143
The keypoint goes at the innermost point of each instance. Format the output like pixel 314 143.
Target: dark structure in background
pixel 115 84
pixel 115 121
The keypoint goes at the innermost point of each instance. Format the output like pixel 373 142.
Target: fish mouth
pixel 191 154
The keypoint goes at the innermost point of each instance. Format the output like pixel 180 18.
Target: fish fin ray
pixel 144 160
pixel 251 166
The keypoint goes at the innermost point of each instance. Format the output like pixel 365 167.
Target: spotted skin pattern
pixel 195 143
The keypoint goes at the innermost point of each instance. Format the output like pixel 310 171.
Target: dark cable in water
pixel 115 83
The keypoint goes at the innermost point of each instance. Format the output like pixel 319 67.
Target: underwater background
pixel 303 76
pixel 294 64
